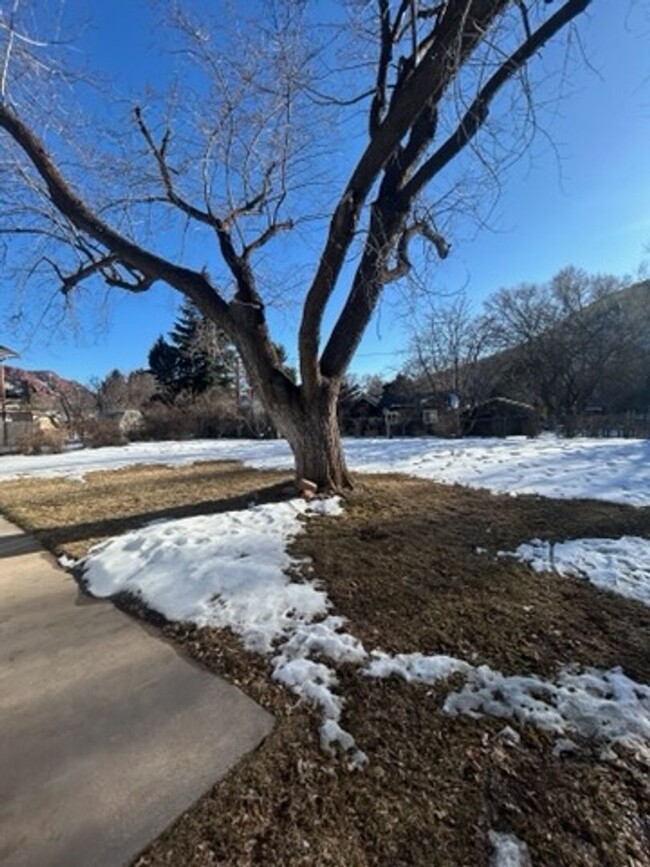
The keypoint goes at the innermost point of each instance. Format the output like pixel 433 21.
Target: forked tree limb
pixel 367 284
pixel 477 114
pixel 458 32
pixel 393 166
pixel 151 265
pixel 159 154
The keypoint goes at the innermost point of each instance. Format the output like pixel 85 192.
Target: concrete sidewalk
pixel 106 733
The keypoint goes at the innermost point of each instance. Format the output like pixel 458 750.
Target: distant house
pixel 360 416
pixel 402 410
pixel 395 413
pixel 19 424
pixel 420 413
pixel 500 417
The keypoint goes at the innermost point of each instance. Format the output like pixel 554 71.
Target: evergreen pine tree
pixel 163 364
pixel 199 356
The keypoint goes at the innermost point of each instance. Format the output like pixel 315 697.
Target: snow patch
pixel 604 706
pixel 509 736
pixel 226 570
pixel 315 681
pixel 508 851
pixel 621 566
pixel 231 571
pixel 416 667
pixel 615 470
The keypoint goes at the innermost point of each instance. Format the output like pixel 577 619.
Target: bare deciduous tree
pixel 561 341
pixel 447 347
pixel 241 175
pixel 117 391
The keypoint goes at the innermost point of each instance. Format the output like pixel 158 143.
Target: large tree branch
pixel 403 264
pixel 386 225
pixel 478 111
pixel 392 206
pixel 420 86
pixel 387 230
pixel 379 100
pixel 152 266
pixel 244 322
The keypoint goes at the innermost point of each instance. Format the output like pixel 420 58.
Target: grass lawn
pixel 70 516
pixel 412 566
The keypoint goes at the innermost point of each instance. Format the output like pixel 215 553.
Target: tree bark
pixel 311 427
pixel 306 416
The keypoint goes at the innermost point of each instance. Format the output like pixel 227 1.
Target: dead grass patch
pixel 402 565
pixel 69 516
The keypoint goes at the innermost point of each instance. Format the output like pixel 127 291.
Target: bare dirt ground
pixel 402 565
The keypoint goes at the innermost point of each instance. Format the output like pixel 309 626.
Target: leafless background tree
pixel 447 347
pixel 576 347
pixel 568 343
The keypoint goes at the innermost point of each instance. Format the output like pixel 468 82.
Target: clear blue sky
pixel 590 208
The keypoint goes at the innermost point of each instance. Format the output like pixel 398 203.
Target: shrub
pixel 163 422
pixel 42 442
pixel 209 415
pixel 100 432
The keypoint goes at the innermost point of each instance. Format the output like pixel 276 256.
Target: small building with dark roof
pixel 501 417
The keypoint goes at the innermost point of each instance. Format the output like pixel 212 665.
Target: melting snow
pixel 619 565
pixel 416 666
pixel 508 851
pixel 605 706
pixel 230 570
pixel 224 570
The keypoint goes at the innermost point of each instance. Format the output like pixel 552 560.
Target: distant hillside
pixel 551 347
pixel 636 296
pixel 598 355
pixel 44 389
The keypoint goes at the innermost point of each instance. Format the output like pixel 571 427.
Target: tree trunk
pixel 306 417
pixel 312 428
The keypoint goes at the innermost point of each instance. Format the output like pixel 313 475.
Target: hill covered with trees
pixel 576 346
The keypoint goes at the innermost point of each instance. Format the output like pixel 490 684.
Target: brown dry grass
pixel 402 565
pixel 69 516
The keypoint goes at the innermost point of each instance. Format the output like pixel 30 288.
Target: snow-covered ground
pixel 267 454
pixel 616 470
pixel 231 570
pixel 619 565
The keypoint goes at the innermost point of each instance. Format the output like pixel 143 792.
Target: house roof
pixel 505 402
pixel 5 352
pixel 510 402
pixel 418 400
